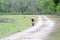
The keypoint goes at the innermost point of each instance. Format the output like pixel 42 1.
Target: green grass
pixel 20 23
pixel 55 35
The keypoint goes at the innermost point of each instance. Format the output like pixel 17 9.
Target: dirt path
pixel 39 32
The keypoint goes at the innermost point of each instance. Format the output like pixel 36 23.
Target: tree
pixel 58 9
pixel 56 2
pixel 0 6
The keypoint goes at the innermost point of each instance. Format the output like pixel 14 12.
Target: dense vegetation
pixel 30 7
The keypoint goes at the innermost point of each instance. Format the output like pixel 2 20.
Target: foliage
pixel 30 6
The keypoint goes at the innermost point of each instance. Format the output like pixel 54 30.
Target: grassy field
pixel 55 35
pixel 15 23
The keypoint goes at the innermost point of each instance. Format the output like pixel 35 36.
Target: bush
pixel 58 9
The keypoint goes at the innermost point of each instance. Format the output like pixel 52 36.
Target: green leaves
pixel 58 9
pixel 29 6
